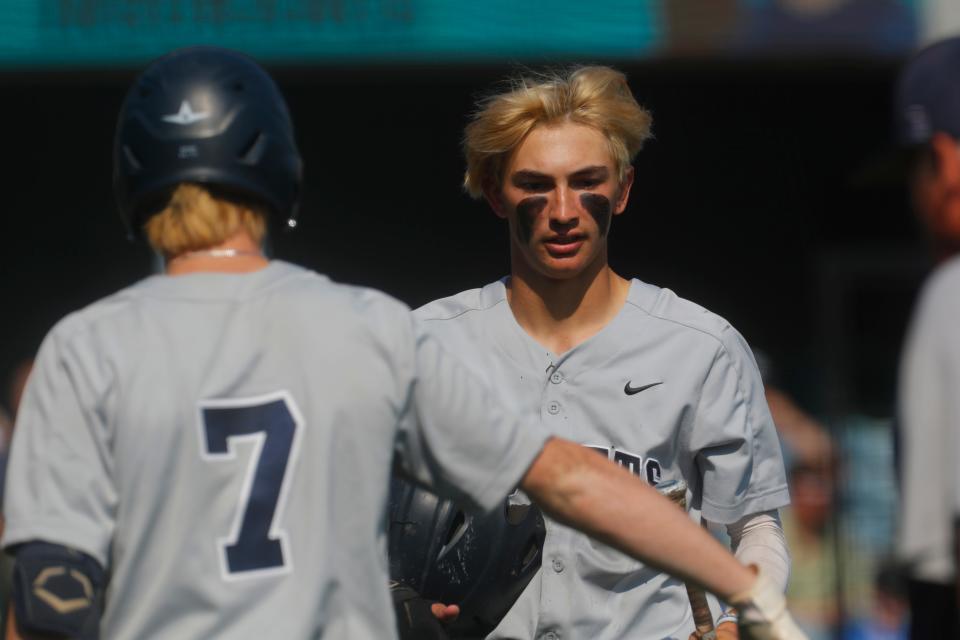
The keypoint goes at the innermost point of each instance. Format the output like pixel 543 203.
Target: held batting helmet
pixel 480 562
pixel 209 116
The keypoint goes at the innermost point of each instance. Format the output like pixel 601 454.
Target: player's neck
pixel 560 314
pixel 945 249
pixel 238 254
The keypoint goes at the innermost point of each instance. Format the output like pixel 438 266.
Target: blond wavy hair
pixel 597 97
pixel 195 219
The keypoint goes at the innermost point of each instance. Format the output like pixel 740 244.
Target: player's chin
pixel 564 268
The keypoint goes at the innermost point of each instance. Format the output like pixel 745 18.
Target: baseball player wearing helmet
pixel 636 374
pixel 928 117
pixel 207 453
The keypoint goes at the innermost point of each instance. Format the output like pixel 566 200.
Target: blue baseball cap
pixel 927 101
pixel 928 94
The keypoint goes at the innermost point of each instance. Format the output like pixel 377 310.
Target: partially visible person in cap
pixel 928 123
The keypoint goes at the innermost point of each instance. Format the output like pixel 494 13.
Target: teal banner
pixel 38 34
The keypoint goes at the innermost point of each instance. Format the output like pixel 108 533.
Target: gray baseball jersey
pixel 223 443
pixel 666 389
pixel 929 412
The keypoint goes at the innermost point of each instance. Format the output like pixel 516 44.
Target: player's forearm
pixel 11 626
pixel 579 488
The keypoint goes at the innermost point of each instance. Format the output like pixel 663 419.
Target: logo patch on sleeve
pixel 64 590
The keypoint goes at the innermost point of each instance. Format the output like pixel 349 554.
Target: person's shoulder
pixel 663 306
pixel 367 301
pixel 94 316
pixel 944 281
pixel 299 284
pixel 464 304
pixel 938 303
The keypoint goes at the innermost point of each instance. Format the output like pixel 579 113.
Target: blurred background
pixel 751 199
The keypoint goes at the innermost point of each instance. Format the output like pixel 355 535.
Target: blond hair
pixel 594 96
pixel 195 219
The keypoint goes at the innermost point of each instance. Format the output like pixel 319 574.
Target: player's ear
pixel 946 158
pixel 950 217
pixel 493 196
pixel 624 194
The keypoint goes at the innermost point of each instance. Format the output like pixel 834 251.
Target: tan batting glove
pixel 763 613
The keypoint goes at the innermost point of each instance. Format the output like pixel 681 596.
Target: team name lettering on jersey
pixel 649 469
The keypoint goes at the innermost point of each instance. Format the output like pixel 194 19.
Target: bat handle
pixel 702 618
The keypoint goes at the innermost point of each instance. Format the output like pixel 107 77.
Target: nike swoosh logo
pixel 627 389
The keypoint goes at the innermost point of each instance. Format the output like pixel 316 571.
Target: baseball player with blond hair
pixel 636 374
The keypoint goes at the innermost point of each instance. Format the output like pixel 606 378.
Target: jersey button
pixel 553 408
pixel 558 565
pixel 556 378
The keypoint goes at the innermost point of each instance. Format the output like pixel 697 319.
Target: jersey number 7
pixel 255 545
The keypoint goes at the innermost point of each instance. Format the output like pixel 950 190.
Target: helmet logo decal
pixel 186 115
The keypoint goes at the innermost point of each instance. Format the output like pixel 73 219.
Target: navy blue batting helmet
pixel 209 116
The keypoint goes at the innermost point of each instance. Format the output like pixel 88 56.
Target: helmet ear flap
pixel 481 562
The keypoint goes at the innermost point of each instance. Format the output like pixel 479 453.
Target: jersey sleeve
pixel 59 487
pixel 456 436
pixel 734 439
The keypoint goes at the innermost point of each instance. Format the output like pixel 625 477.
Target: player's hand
pixel 445 612
pixel 724 630
pixel 763 613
